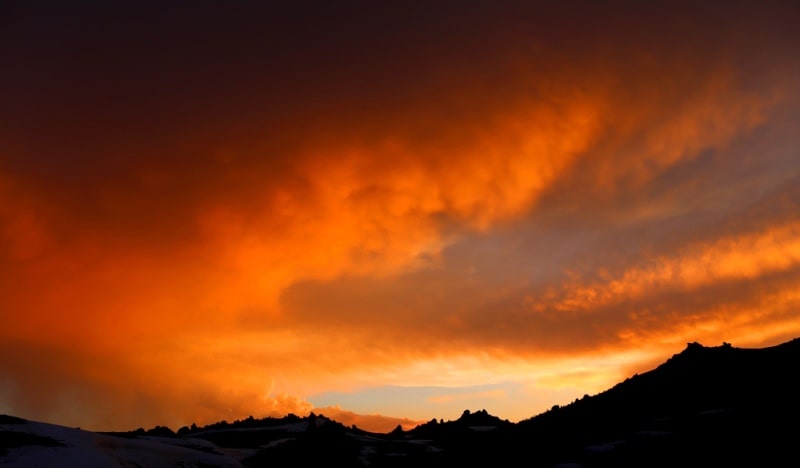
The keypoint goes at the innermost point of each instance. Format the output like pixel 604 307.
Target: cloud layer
pixel 207 214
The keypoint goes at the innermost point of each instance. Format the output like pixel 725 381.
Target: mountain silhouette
pixel 705 406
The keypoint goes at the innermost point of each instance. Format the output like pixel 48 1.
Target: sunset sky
pixel 385 212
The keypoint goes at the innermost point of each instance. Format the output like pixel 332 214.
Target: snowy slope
pixel 89 449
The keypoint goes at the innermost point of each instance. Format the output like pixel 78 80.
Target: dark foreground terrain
pixel 706 406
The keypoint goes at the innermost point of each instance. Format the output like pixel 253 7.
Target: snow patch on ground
pixel 427 444
pixel 482 428
pixel 90 449
pixel 365 453
pixel 605 447
pixel 276 442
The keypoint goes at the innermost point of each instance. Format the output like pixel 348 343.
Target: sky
pixel 385 212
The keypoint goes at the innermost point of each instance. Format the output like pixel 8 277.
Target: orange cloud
pixel 215 226
pixel 491 394
pixel 370 422
pixel 744 257
pixel 23 225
